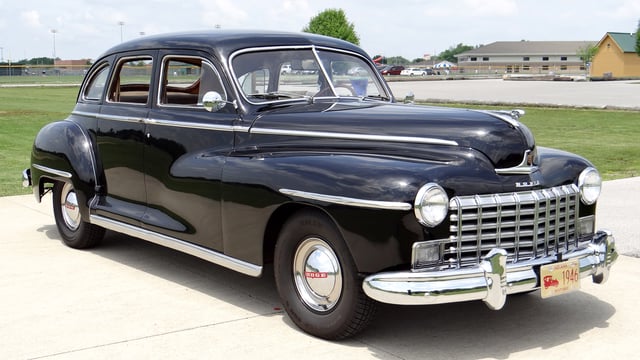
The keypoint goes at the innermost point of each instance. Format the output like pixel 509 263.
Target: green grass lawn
pixel 606 137
pixel 23 111
pixel 609 139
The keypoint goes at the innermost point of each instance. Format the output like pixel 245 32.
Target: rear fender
pixel 63 151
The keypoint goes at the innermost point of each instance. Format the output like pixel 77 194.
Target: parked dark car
pixel 394 70
pixel 201 142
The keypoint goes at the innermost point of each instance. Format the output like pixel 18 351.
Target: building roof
pixel 528 48
pixel 626 41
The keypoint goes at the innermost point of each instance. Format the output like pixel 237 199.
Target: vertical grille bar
pixel 547 211
pixel 558 235
pixel 536 213
pixel 516 238
pixel 478 201
pixel 498 202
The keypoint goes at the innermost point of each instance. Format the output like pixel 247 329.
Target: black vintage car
pixel 210 143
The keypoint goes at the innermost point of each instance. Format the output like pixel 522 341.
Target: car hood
pixel 497 135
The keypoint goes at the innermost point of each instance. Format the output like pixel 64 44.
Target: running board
pixel 179 245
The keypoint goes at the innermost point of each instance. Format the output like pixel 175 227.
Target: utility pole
pixel 54 32
pixel 121 23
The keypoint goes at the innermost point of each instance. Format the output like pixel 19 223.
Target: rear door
pixel 121 137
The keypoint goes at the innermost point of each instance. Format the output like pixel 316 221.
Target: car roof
pixel 225 42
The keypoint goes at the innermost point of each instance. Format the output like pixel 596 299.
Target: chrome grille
pixel 528 225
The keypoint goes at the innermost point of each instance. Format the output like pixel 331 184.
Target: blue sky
pixel 85 28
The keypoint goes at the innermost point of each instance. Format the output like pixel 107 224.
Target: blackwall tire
pixel 75 232
pixel 317 280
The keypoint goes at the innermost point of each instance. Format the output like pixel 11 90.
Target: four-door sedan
pixel 206 143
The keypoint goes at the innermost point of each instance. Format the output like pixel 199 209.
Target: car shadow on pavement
pixel 192 272
pixel 472 331
pixel 463 330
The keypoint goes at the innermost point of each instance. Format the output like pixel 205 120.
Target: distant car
pixel 198 142
pixel 413 72
pixel 286 69
pixel 358 70
pixel 394 70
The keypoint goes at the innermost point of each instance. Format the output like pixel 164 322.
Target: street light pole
pixel 121 23
pixel 54 32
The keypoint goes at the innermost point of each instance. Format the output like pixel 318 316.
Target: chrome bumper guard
pixel 26 178
pixel 490 281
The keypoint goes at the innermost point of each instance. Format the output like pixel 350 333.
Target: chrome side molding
pixel 179 245
pixel 341 200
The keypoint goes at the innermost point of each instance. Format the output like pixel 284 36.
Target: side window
pixel 185 80
pixel 96 85
pixel 299 77
pixel 132 80
pixel 255 83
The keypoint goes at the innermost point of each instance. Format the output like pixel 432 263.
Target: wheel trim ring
pixel 69 207
pixel 317 275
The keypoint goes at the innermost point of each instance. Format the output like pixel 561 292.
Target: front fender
pixel 379 227
pixel 63 151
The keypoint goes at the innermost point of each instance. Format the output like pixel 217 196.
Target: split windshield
pixel 285 74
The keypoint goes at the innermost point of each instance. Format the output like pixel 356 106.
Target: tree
pixel 334 23
pixel 586 53
pixel 450 54
pixel 397 60
pixel 638 38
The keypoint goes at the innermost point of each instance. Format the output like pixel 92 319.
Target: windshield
pixel 285 74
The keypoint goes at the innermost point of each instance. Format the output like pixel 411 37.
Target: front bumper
pixel 491 281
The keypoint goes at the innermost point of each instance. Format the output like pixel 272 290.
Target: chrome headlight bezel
pixel 431 205
pixel 590 184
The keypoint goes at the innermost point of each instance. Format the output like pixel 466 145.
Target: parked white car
pixel 413 71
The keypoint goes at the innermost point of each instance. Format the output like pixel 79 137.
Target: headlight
pixel 590 184
pixel 431 205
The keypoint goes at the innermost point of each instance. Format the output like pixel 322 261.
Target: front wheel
pixel 317 279
pixel 75 232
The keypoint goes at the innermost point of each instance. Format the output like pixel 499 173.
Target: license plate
pixel 559 278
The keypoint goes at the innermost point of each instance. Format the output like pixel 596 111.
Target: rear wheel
pixel 317 279
pixel 75 232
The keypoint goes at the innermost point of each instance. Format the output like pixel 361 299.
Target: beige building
pixel 616 57
pixel 526 57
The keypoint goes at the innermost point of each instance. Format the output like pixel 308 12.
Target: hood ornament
pixel 509 116
pixel 527 166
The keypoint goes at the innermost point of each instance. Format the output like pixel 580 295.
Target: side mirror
pixel 212 101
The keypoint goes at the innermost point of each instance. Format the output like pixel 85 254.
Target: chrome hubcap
pixel 317 275
pixel 69 205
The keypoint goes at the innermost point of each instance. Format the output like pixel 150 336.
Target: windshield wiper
pixel 377 97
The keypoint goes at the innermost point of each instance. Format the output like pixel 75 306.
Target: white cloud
pixel 224 13
pixel 489 7
pixel 31 18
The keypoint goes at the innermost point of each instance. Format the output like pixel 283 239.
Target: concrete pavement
pixel 132 299
pixel 598 94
